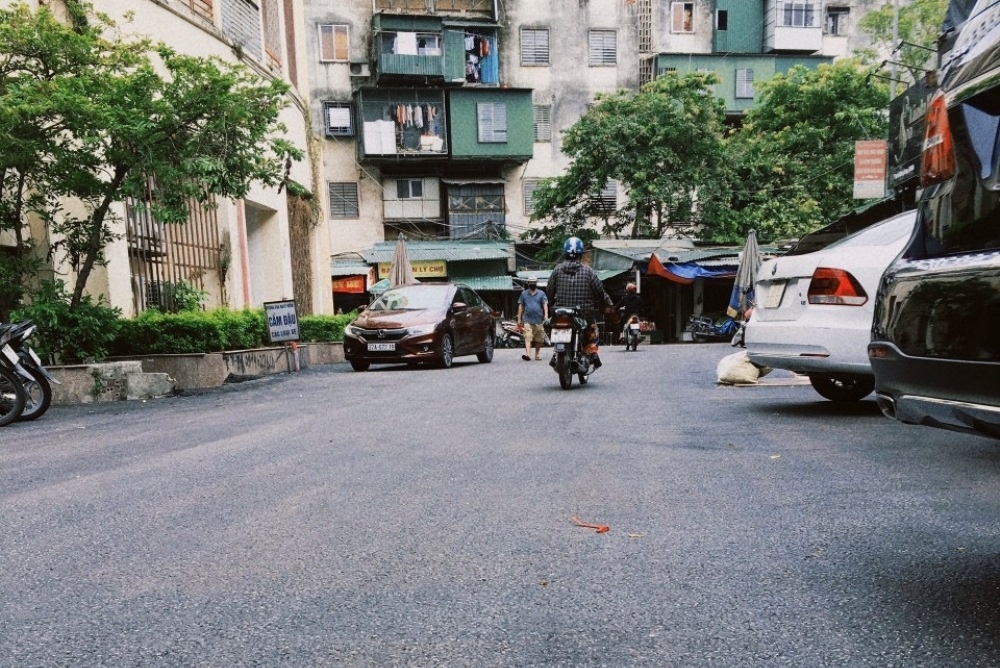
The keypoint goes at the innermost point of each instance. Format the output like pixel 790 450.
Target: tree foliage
pixel 655 143
pixel 918 29
pixel 119 120
pixel 790 167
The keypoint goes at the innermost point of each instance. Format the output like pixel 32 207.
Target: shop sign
pixel 350 284
pixel 421 269
pixel 870 158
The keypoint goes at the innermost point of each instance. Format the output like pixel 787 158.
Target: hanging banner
pixel 421 269
pixel 351 284
pixel 870 159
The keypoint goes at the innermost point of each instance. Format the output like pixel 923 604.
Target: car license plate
pixel 381 347
pixel 561 335
pixel 775 291
pixel 9 353
pixel 634 328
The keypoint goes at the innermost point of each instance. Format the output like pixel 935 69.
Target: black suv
pixel 935 346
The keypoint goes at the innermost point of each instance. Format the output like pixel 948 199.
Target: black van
pixel 935 346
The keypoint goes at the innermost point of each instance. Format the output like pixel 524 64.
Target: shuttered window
pixel 603 48
pixel 534 46
pixel 744 84
pixel 334 44
pixel 492 120
pixel 543 123
pixel 530 186
pixel 608 197
pixel 344 200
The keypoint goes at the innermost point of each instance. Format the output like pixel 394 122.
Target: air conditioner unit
pixel 360 70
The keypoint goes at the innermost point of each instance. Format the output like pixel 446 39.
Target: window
pixel 706 72
pixel 836 20
pixel 744 84
pixel 344 200
pixel 722 20
pixel 607 199
pixel 543 123
pixel 534 46
pixel 492 120
pixel 682 17
pixel 603 47
pixel 333 44
pixel 339 122
pixel 530 186
pixel 796 14
pixel 409 188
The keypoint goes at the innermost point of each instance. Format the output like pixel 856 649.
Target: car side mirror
pixel 458 307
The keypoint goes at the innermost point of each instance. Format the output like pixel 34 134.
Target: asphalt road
pixel 422 517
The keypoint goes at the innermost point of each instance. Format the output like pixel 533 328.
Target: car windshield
pixel 880 234
pixel 413 298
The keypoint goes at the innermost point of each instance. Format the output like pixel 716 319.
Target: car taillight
pixel 835 286
pixel 562 322
pixel 937 162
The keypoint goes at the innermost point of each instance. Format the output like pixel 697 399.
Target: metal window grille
pixel 534 46
pixel 603 47
pixel 241 22
pixel 492 120
pixel 543 123
pixel 334 42
pixel 744 84
pixel 162 257
pixel 344 200
pixel 339 122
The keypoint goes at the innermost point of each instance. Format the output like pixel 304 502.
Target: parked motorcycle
pixel 704 329
pixel 12 394
pixel 509 335
pixel 568 331
pixel 35 378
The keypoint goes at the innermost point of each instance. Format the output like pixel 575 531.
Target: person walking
pixel 532 311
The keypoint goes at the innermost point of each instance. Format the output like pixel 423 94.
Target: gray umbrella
pixel 746 274
pixel 401 271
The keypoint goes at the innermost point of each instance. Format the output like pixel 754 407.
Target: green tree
pixel 790 168
pixel 918 29
pixel 656 143
pixel 136 121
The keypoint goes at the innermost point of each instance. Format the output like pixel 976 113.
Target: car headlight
pixel 420 330
pixel 353 330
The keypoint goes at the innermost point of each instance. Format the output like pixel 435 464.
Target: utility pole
pixel 895 48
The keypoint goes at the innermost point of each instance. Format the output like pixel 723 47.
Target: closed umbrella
pixel 401 271
pixel 746 274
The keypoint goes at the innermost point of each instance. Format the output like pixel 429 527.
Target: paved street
pixel 423 517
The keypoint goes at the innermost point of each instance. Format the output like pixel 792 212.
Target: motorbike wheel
pixel 564 367
pixel 843 390
pixel 38 396
pixel 12 397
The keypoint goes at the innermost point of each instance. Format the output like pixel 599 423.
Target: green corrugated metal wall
pixel 745 31
pixel 465 130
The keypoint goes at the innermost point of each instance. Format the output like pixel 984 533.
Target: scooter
pixel 571 335
pixel 35 378
pixel 509 335
pixel 632 333
pixel 12 394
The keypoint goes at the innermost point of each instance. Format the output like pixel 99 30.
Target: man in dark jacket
pixel 575 285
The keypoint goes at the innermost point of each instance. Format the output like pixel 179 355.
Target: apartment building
pixel 441 116
pixel 264 247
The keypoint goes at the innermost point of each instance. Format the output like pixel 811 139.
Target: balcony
pixel 470 8
pixel 436 124
pixel 435 51
pixel 793 27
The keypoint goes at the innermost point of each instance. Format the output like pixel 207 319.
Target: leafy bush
pixel 156 333
pixel 324 327
pixel 69 335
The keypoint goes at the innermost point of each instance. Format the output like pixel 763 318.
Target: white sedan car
pixel 813 312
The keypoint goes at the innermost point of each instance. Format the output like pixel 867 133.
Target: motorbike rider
pixel 630 304
pixel 573 284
